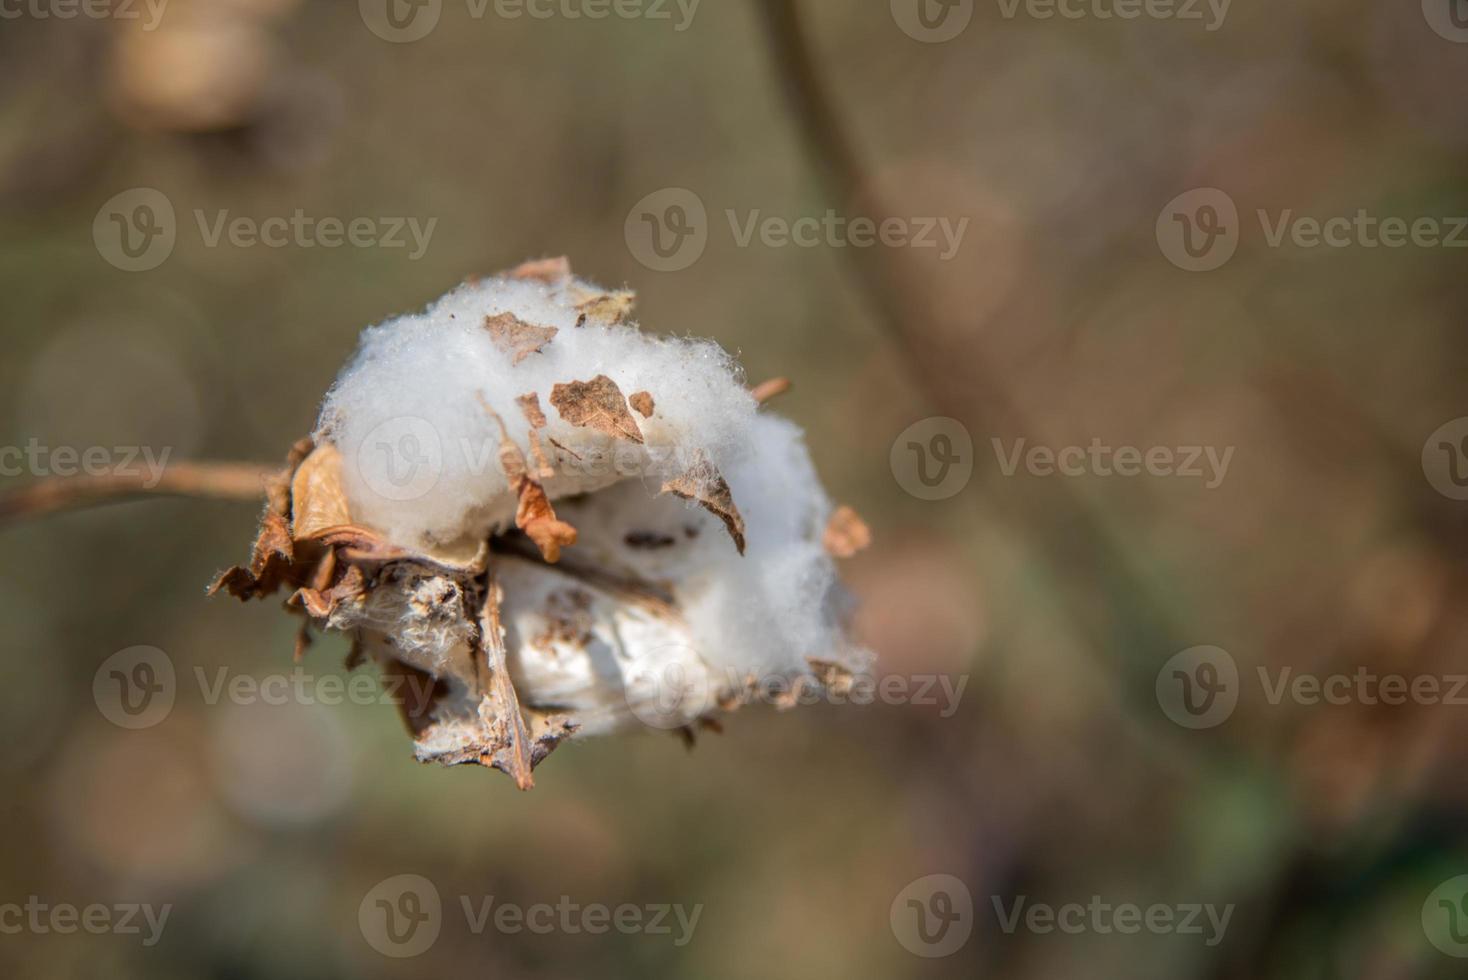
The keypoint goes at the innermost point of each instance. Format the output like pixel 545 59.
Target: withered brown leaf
pixel 702 482
pixel 642 401
pixel 515 337
pixel 596 404
pixel 270 563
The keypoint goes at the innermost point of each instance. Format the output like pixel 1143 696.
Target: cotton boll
pixel 549 523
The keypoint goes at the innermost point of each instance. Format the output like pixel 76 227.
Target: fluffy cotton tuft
pixel 416 390
pixel 412 394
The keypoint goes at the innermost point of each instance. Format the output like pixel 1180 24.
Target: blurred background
pixel 1101 288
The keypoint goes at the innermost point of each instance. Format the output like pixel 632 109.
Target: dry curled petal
pixel 318 500
pixel 596 404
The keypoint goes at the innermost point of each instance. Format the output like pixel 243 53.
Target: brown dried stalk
pixel 212 481
pixel 1069 532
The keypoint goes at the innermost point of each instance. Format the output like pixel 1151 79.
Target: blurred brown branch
pixel 1071 534
pixel 217 481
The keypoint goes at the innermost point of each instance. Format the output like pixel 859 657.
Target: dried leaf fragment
pixel 703 482
pixel 537 518
pixel 270 562
pixel 516 338
pixel 846 533
pixel 549 271
pixel 642 401
pixel 604 307
pixel 597 404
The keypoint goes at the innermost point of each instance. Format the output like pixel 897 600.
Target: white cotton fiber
pixel 420 451
pixel 422 467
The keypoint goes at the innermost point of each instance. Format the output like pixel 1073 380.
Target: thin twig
pixel 772 388
pixel 216 481
pixel 1073 536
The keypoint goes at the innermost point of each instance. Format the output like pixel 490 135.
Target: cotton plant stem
pixel 1073 536
pixel 211 481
